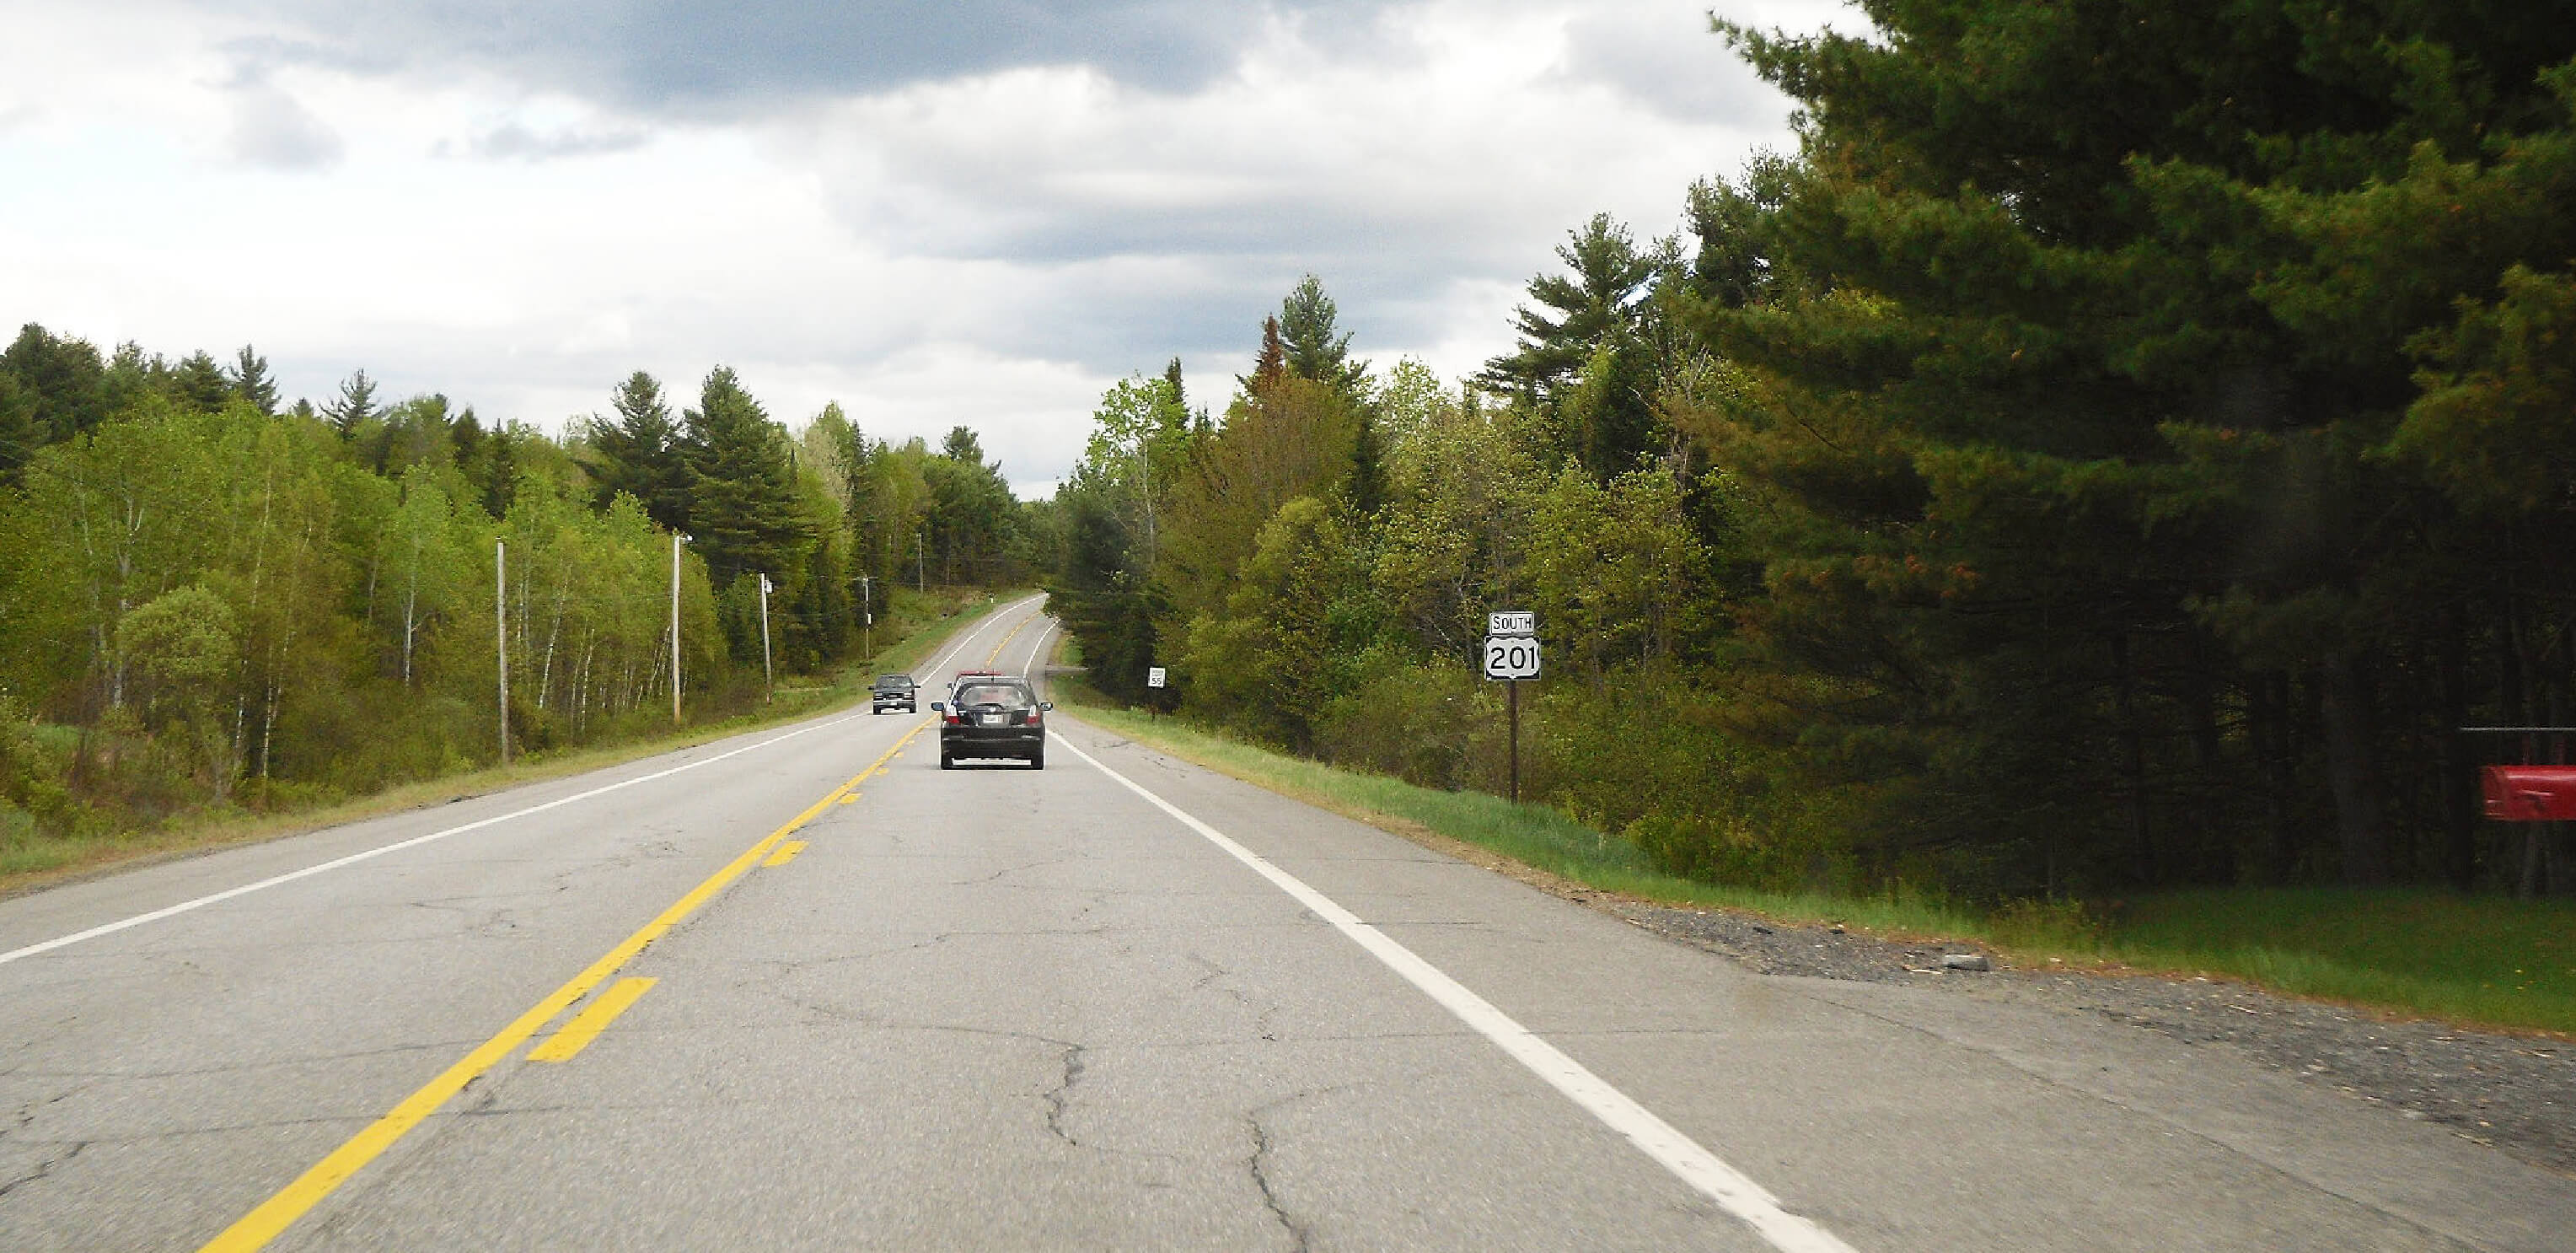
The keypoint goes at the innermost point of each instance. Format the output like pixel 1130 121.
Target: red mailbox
pixel 2531 793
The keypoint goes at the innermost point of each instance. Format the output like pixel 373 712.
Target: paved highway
pixel 803 989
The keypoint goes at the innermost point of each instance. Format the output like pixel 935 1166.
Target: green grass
pixel 2476 960
pixel 2483 959
pixel 1533 835
pixel 29 861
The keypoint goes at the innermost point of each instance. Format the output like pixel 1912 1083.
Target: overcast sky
pixel 978 212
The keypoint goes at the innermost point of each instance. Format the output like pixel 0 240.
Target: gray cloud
pixel 272 130
pixel 1667 58
pixel 676 55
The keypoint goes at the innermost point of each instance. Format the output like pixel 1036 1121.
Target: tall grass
pixel 2473 959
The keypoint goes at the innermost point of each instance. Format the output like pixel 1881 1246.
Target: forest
pixel 214 602
pixel 2119 449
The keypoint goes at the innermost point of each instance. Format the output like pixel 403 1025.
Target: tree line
pixel 2120 448
pixel 209 598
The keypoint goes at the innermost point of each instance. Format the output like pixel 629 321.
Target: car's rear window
pixel 1007 695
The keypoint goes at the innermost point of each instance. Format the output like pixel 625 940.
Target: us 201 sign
pixel 1511 657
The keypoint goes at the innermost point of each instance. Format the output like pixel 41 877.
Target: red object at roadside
pixel 2531 793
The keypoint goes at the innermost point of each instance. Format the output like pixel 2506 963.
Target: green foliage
pixel 221 606
pixel 2115 451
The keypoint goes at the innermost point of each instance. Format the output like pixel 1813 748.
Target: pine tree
pixel 250 380
pixel 355 406
pixel 21 429
pixel 1270 364
pixel 1311 347
pixel 64 377
pixel 744 507
pixel 200 383
pixel 643 453
pixel 1571 318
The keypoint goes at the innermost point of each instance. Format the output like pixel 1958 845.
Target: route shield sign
pixel 1511 657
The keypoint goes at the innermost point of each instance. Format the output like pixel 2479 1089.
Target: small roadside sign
pixel 1515 623
pixel 1153 676
pixel 1511 657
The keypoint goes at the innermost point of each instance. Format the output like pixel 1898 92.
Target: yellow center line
pixel 1005 641
pixel 586 1025
pixel 263 1224
pixel 787 852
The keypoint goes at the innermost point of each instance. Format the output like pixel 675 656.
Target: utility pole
pixel 675 628
pixel 917 583
pixel 768 677
pixel 501 634
pixel 867 621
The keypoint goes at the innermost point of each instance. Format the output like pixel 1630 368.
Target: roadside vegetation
pixel 2091 507
pixel 215 608
pixel 924 622
pixel 2468 959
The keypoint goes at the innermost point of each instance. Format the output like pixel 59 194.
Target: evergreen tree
pixel 643 453
pixel 1311 347
pixel 500 471
pixel 355 406
pixel 200 383
pixel 250 380
pixel 1572 317
pixel 2074 392
pixel 744 506
pixel 22 429
pixel 64 379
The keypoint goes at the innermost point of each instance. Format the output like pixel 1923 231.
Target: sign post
pixel 1511 655
pixel 1153 683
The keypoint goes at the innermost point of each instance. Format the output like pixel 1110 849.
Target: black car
pixel 895 691
pixel 991 716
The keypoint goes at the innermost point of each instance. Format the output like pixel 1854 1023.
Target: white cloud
pixel 273 130
pixel 989 248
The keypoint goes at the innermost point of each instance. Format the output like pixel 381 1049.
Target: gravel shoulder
pixel 2515 1093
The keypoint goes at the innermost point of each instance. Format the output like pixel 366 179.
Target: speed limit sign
pixel 1511 657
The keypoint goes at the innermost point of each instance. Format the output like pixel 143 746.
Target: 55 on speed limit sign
pixel 1511 657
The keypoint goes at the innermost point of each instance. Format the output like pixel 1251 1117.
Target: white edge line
pixel 1733 1191
pixel 47 946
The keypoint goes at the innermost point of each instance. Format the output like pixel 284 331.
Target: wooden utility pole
pixel 867 621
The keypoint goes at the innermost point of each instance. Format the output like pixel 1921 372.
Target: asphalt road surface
pixel 803 989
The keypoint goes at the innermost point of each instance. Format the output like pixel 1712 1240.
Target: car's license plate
pixel 993 720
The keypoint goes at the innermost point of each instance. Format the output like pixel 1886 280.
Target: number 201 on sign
pixel 1511 657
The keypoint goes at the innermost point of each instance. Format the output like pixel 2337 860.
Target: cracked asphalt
pixel 1004 1009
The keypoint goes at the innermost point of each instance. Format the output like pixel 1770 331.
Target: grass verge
pixel 2475 960
pixel 39 862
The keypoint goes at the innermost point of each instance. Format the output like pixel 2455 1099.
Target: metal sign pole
pixel 1512 691
pixel 501 634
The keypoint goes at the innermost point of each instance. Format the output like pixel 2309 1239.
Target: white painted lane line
pixel 395 847
pixel 416 841
pixel 1733 1191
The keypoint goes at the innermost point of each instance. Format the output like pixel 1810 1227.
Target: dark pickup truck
pixel 895 691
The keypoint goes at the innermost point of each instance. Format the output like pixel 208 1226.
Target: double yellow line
pixel 278 1212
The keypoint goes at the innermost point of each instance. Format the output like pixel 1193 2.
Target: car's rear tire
pixel 1037 760
pixel 947 762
